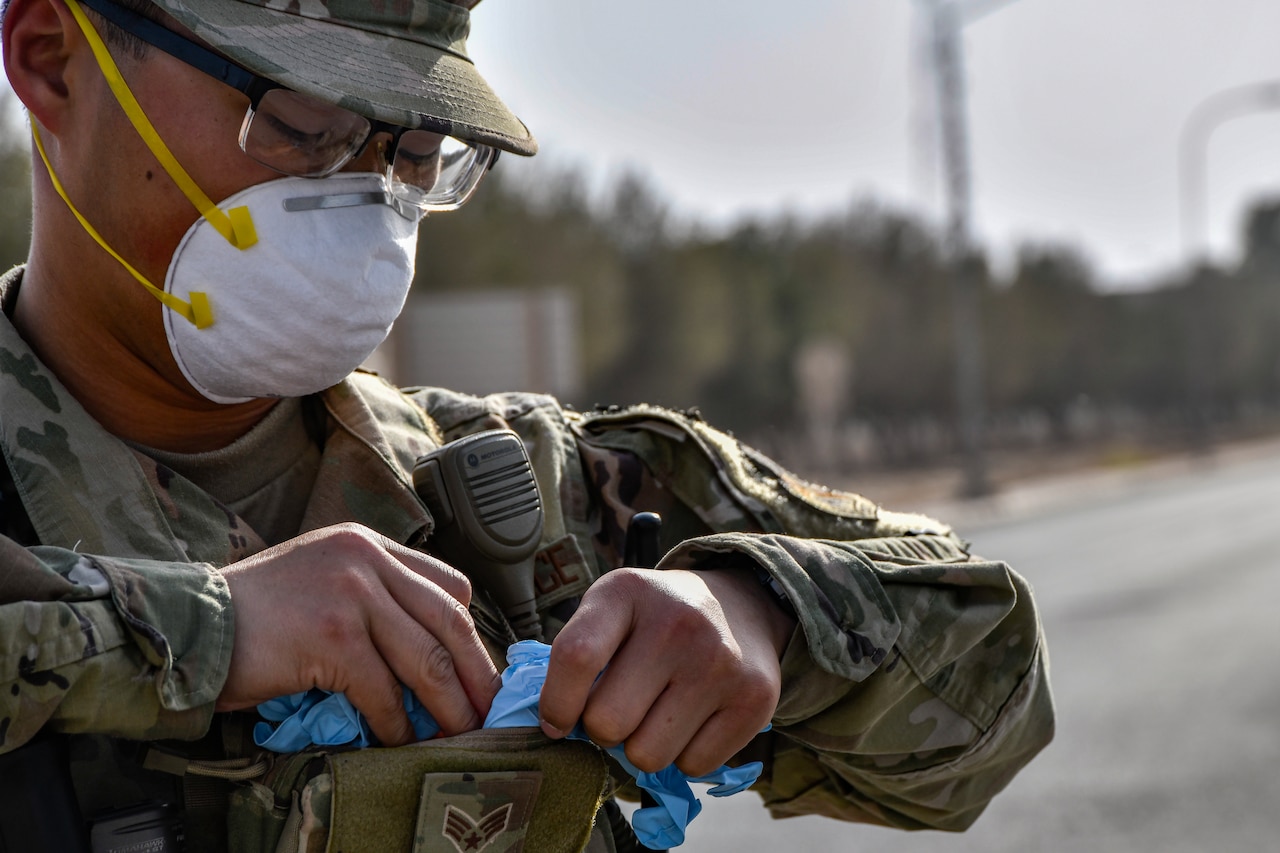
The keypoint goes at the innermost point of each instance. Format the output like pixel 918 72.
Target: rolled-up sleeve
pixel 915 687
pixel 128 647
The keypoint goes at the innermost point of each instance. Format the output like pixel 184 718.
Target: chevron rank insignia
pixel 475 812
pixel 468 834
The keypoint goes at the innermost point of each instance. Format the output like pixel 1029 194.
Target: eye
pixel 416 159
pixel 420 146
pixel 295 136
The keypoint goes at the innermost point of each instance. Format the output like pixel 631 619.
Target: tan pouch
pixel 492 790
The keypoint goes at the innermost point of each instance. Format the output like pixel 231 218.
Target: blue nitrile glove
pixel 663 825
pixel 324 718
pixel 314 717
pixel 657 826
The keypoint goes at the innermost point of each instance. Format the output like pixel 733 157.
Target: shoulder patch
pixel 822 498
pixel 826 499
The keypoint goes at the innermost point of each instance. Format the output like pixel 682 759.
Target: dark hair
pixel 116 37
pixel 113 35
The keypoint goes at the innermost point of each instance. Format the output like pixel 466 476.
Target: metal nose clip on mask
pixel 308 303
pixel 304 288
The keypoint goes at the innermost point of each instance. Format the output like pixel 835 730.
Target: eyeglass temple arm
pixel 210 63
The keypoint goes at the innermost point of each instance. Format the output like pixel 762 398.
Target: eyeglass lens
pixel 300 135
pixel 443 169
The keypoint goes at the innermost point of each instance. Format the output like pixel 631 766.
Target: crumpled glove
pixel 660 826
pixel 323 718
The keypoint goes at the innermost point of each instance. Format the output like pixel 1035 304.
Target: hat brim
pixel 399 81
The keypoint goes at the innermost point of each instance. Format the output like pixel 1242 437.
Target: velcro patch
pixel 474 812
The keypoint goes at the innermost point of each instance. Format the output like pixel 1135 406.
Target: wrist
pixel 770 607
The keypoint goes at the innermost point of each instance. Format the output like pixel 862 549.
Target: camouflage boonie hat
pixel 399 61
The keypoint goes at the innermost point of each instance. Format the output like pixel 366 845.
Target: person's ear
pixel 39 36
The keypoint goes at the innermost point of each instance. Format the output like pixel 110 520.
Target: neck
pixel 117 381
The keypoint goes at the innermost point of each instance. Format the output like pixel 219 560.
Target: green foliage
pixel 681 317
pixel 685 318
pixel 15 182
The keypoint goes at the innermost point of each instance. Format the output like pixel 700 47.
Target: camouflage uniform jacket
pixel 914 688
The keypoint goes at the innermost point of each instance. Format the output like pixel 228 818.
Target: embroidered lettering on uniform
pixel 468 834
pixel 551 575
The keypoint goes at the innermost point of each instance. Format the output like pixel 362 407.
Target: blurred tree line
pixel 15 181
pixel 674 316
pixel 677 316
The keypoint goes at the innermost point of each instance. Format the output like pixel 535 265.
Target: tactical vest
pixel 497 791
pixel 500 790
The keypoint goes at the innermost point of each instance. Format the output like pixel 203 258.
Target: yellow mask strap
pixel 198 311
pixel 236 225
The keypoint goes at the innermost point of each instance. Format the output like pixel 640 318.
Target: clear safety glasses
pixel 296 134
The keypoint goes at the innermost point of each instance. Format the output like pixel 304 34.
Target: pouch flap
pixel 486 812
pixel 377 792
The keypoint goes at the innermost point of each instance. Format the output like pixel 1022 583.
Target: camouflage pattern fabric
pixel 448 811
pixel 914 688
pixel 916 685
pixel 121 599
pixel 404 62
pixel 501 791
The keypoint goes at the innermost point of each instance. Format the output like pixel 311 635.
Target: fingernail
pixel 550 730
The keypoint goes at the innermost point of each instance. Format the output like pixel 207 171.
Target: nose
pixel 374 156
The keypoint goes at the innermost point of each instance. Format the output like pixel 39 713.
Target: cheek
pixel 169 216
pixel 203 136
pixel 114 181
pixel 148 210
pixel 198 119
pixel 147 213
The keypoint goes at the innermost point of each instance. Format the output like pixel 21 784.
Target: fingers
pixel 580 651
pixel 688 728
pixel 446 667
pixel 438 572
pixel 691 677
pixel 377 694
pixel 674 721
pixel 426 636
pixel 628 692
pixel 346 610
pixel 451 645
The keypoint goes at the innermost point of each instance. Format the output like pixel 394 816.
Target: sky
pixel 734 108
pixel 739 107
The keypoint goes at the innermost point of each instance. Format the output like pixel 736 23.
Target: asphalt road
pixel 1161 603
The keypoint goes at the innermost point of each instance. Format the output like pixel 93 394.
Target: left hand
pixel 693 666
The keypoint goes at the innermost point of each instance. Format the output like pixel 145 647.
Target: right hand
pixel 348 610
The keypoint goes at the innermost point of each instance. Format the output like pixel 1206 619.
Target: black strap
pixel 624 837
pixel 37 801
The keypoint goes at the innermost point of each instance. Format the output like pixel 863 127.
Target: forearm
pixel 914 689
pixel 135 648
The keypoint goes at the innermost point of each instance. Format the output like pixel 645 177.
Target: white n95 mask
pixel 303 306
pixel 284 288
